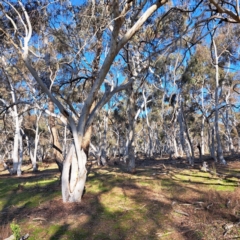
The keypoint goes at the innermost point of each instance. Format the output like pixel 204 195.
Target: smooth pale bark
pixel 174 131
pixel 131 131
pixel 189 140
pixel 19 171
pixel 125 156
pixel 36 141
pixel 132 118
pixel 217 87
pixel 72 191
pixel 202 125
pixel 15 142
pixel 202 136
pixel 227 125
pixel 17 160
pixel 57 148
pixel 94 149
pixel 16 133
pixel 78 150
pixel 185 146
pixel 102 155
pixel 150 143
pixel 74 171
pixel 117 147
pixel 212 145
pixel 176 154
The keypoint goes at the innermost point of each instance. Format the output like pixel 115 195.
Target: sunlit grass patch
pixel 203 178
pixel 27 193
pixel 226 188
pixel 55 232
pixel 96 186
pixel 119 205
pixel 116 200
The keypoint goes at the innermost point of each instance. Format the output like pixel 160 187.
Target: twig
pixel 163 234
pixel 39 219
pixel 182 213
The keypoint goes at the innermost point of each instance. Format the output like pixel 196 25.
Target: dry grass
pixel 169 201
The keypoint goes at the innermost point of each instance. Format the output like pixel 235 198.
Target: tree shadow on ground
pixel 118 205
pixel 127 209
pixel 19 195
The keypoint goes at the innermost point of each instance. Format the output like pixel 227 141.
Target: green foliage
pixel 16 230
pixel 118 114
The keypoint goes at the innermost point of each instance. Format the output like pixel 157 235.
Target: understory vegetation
pixel 163 200
pixel 119 119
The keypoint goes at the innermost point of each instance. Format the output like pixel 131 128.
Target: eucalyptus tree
pixel 139 55
pixel 32 132
pixel 107 34
pixel 224 46
pixel 227 11
pixel 85 42
pixel 14 110
pixel 194 87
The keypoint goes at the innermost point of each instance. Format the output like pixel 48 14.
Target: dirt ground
pixel 181 208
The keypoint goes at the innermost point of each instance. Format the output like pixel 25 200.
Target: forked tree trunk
pixel 74 172
pixel 74 176
pixel 116 44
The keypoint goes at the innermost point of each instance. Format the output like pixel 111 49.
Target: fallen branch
pixel 39 219
pixel 164 234
pixel 182 213
pixel 228 226
pixel 26 236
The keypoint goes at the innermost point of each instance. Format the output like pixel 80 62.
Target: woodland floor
pixel 165 199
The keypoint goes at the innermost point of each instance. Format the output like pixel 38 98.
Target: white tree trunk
pixel 19 171
pixel 116 44
pixel 176 154
pixel 227 125
pixel 150 144
pixel 73 184
pixel 15 143
pixel 131 130
pixel 37 135
pixel 219 145
pixel 212 150
pixel 202 126
pixel 185 147
pixel 103 149
pixel 16 133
